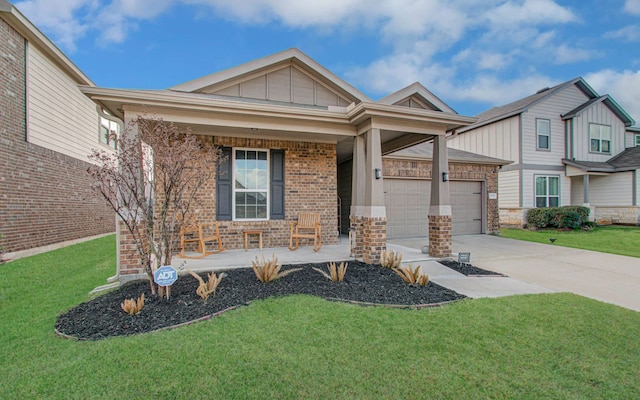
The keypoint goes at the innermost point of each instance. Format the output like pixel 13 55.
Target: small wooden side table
pixel 252 232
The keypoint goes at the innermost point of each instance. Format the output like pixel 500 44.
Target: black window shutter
pixel 277 184
pixel 224 187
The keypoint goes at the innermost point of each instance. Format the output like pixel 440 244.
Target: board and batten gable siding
pixel 60 117
pixel 611 190
pixel 599 114
pixel 509 189
pixel 550 109
pixel 499 140
pixel 288 85
pixel 529 186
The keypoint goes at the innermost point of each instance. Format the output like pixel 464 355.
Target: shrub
pixel 412 275
pixel 133 307
pixel 558 217
pixel 390 259
pixel 335 274
pixel 267 271
pixel 205 289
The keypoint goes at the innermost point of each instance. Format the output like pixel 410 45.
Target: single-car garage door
pixel 407 204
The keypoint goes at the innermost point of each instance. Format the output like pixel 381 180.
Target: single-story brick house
pixel 299 121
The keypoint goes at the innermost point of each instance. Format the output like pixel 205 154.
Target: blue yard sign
pixel 165 275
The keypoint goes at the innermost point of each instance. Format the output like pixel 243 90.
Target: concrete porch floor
pixel 239 258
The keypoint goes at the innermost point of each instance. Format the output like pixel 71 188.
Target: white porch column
pixel 440 216
pixel 358 183
pixel 585 184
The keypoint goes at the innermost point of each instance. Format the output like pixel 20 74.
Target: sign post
pixel 166 276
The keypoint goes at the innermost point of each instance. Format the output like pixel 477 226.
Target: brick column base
pixel 356 226
pixel 440 227
pixel 374 239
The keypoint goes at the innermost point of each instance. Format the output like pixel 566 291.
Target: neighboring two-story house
pixel 48 127
pixel 569 146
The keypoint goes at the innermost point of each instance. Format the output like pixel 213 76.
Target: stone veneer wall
pixel 45 196
pixel 457 171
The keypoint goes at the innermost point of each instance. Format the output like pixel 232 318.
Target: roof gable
pixel 289 76
pixel 417 96
pixel 608 102
pixel 519 106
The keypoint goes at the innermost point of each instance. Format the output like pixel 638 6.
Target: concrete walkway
pixel 606 277
pixel 471 286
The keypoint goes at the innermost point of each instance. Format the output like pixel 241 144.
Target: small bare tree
pixel 151 181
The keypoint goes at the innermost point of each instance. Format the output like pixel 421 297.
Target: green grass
pixel 545 346
pixel 621 240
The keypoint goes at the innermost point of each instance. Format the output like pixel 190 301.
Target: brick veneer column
pixel 129 263
pixel 356 225
pixel 374 238
pixel 440 231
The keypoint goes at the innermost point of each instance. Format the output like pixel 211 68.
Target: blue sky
pixel 473 54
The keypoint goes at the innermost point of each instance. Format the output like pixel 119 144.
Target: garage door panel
pixel 407 204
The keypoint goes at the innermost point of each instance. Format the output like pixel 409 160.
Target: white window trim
pixel 600 139
pixel 113 122
pixel 233 185
pixel 636 138
pixel 547 196
pixel 548 121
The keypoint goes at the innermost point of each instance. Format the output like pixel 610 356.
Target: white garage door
pixel 407 204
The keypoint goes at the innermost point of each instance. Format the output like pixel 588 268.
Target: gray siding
pixel 550 108
pixel 499 140
pixel 599 114
pixel 509 189
pixel 289 85
pixel 611 190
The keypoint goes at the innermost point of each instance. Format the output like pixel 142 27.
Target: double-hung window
pixel 600 138
pixel 251 184
pixel 637 138
pixel 547 191
pixel 543 134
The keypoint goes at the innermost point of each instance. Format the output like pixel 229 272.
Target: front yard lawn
pixel 543 346
pixel 621 240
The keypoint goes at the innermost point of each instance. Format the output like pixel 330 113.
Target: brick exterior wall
pixel 45 197
pixel 457 171
pixel 310 185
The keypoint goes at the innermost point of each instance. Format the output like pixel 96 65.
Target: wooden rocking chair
pixel 307 227
pixel 202 234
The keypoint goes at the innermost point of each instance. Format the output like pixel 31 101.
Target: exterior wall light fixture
pixel 378 173
pixel 445 177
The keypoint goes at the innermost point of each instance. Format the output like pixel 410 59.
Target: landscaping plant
pixel 336 274
pixel 132 306
pixel 151 182
pixel 412 275
pixel 208 288
pixel 269 270
pixel 390 259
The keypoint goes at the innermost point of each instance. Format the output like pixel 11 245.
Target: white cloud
pixel 630 33
pixel 621 85
pixel 632 7
pixel 116 20
pixel 529 12
pixel 60 18
pixel 566 55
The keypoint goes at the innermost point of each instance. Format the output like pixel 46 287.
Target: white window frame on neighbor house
pixel 106 127
pixel 599 138
pixel 637 139
pixel 243 169
pixel 543 129
pixel 546 195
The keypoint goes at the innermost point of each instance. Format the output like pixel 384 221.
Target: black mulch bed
pixel 102 317
pixel 467 269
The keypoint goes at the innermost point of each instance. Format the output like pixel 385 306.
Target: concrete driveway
pixel 606 277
